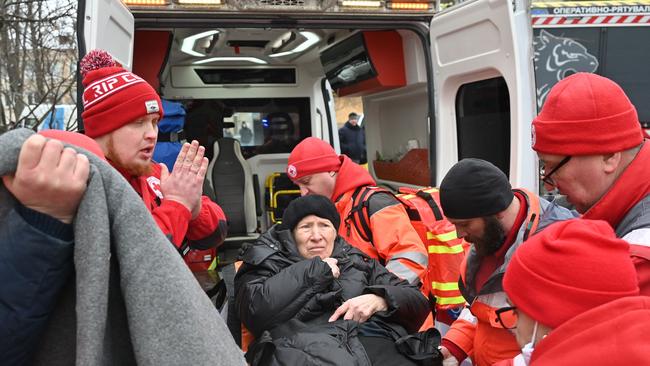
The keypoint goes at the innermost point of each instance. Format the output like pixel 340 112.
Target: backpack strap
pixel 533 214
pixel 428 197
pixel 360 199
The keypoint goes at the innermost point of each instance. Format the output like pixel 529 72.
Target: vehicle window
pixel 483 122
pixel 262 125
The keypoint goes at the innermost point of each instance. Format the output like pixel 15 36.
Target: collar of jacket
pixel 629 188
pixel 350 176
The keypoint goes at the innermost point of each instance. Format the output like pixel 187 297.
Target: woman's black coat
pixel 288 300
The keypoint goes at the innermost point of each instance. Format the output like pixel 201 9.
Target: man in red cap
pixel 591 145
pixel 121 112
pixel 573 292
pixel 316 168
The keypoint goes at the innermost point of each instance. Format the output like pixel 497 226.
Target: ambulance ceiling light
pixel 188 43
pixel 145 2
pixel 310 40
pixel 199 2
pixel 254 60
pixel 361 3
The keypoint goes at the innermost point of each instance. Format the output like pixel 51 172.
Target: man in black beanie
pixel 477 198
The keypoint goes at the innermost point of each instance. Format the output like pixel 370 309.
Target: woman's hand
pixel 360 308
pixel 333 263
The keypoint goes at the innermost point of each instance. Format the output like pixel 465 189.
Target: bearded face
pixel 123 159
pixel 492 238
pixel 130 147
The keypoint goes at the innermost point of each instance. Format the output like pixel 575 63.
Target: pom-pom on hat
pixel 586 114
pixel 310 156
pixel 312 204
pixel 113 96
pixel 568 268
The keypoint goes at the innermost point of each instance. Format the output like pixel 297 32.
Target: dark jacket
pixel 353 142
pixel 287 300
pixel 132 300
pixel 35 262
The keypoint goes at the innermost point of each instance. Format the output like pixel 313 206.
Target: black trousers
pixel 382 351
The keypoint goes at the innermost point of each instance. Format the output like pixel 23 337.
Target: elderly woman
pixel 310 298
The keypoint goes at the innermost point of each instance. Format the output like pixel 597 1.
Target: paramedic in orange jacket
pixel 477 198
pixel 316 168
pixel 121 112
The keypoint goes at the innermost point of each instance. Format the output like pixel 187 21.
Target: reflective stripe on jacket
pixel 446 251
pixel 479 334
pixel 394 240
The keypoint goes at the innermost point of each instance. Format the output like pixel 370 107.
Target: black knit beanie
pixel 312 204
pixel 474 188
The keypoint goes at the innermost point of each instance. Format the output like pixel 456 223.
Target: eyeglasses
pixel 507 317
pixel 546 178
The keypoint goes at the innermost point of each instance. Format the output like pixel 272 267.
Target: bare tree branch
pixel 37 58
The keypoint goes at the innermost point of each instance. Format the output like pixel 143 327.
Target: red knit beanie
pixel 76 139
pixel 568 268
pixel 113 96
pixel 586 114
pixel 310 156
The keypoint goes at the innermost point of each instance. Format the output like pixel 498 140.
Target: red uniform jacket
pixel 208 230
pixel 615 333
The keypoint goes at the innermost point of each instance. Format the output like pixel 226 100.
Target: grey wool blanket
pixel 132 299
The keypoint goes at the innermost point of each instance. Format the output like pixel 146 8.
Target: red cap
pixel 76 139
pixel 570 267
pixel 586 114
pixel 113 96
pixel 310 156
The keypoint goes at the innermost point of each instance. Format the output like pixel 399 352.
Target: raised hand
pixel 49 178
pixel 185 183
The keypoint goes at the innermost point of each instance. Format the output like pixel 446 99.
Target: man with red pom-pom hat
pixel 121 112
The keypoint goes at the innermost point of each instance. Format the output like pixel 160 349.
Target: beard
pixel 492 238
pixel 134 168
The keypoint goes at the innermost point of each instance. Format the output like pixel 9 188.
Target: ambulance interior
pixel 270 88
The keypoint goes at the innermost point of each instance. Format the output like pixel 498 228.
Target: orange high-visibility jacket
pixel 395 242
pixel 477 331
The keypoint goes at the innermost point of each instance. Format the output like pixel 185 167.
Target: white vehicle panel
pixel 109 25
pixel 479 40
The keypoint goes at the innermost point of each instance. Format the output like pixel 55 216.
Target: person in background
pixel 591 145
pixel 574 299
pixel 316 168
pixel 36 236
pixel 317 299
pixel 353 140
pixel 477 198
pixel 121 112
pixel 245 134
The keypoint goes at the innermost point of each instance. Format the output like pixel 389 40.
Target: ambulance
pixel 438 82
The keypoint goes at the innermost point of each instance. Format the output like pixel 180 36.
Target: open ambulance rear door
pixel 106 25
pixel 484 86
